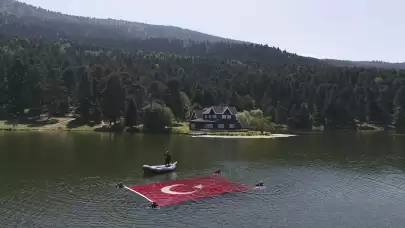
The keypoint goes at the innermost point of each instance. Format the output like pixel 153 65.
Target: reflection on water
pixel 314 180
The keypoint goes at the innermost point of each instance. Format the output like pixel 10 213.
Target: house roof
pixel 220 110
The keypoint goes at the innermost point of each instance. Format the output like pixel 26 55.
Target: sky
pixel 339 29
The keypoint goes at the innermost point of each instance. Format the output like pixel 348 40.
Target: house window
pixel 192 126
pixel 231 125
pixel 224 117
pixel 221 126
pixel 229 117
pixel 209 126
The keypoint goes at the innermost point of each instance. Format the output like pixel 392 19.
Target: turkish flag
pixel 176 191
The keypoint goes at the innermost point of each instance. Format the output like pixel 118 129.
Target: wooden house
pixel 215 118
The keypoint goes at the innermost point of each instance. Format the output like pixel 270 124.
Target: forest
pixel 95 83
pixel 106 37
pixel 131 73
pixel 21 19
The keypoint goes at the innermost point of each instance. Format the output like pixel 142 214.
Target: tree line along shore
pixel 45 82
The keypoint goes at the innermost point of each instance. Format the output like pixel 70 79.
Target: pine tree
pixel 113 98
pixel 131 114
pixel 399 109
pixel 84 96
pixel 316 116
pixel 16 77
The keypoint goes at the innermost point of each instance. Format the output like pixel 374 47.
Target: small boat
pixel 160 168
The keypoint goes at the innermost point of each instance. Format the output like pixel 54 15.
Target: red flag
pixel 176 191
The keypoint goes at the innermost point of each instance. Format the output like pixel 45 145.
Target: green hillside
pixel 97 71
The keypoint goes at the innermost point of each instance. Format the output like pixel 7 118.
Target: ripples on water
pixel 293 196
pixel 297 193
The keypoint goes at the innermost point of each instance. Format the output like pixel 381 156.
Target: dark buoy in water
pixel 120 185
pixel 260 184
pixel 154 205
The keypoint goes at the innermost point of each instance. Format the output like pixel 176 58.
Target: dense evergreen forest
pixel 61 77
pixel 12 26
pixel 21 19
pixel 88 69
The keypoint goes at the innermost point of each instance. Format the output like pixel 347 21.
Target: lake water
pixel 313 180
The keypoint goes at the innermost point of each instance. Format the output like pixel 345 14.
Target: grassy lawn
pixel 70 124
pixel 180 128
pixel 183 128
pixel 369 127
pixel 53 124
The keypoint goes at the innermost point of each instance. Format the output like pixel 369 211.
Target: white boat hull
pixel 160 168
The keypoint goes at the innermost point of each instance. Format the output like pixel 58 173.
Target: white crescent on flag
pixel 168 190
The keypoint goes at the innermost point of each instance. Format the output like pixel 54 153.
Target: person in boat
pixel 168 158
pixel 120 185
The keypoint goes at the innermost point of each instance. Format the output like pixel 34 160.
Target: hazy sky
pixel 341 29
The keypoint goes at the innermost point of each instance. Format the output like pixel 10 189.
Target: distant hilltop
pixel 94 26
pixel 39 22
pixel 366 64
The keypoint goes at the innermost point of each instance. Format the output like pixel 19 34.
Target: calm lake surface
pixel 313 180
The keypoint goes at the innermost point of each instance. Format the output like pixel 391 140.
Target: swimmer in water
pixel 154 205
pixel 260 184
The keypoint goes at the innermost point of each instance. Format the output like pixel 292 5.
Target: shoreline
pixel 69 124
pixel 208 136
pixel 272 136
pixel 66 124
pixel 180 129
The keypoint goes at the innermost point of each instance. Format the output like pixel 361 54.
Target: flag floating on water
pixel 176 191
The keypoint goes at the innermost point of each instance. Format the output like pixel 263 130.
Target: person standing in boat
pixel 168 158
